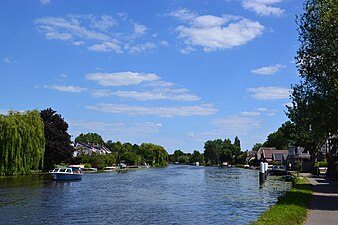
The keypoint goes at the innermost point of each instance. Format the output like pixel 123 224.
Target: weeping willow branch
pixel 22 143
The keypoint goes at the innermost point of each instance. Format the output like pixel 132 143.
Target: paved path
pixel 323 209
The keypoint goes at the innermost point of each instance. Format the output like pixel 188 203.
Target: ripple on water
pixel 172 195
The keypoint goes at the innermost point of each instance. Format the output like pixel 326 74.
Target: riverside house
pixel 88 149
pixel 272 154
pixel 298 155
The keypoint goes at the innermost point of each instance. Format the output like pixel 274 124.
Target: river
pixel 173 195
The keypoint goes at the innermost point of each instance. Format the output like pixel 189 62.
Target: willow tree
pixel 22 143
pixel 156 155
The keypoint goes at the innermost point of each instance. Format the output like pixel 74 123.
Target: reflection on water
pixel 173 195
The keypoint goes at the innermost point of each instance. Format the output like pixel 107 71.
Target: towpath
pixel 323 208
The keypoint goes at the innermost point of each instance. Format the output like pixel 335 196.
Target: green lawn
pixel 291 209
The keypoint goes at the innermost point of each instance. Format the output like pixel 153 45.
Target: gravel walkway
pixel 323 208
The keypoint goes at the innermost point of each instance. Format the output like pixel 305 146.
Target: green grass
pixel 291 209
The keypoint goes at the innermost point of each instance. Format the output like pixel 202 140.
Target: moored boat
pixel 66 173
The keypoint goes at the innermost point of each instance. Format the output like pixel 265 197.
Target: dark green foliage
pixel 91 138
pixel 257 146
pixel 130 158
pixel 179 156
pixel 196 157
pixel 22 143
pixel 95 160
pixel 315 98
pixel 58 143
pixel 218 151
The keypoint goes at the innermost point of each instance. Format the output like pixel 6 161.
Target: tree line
pixel 215 152
pixel 130 154
pixel 36 140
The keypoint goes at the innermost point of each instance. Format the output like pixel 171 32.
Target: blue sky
pixel 169 72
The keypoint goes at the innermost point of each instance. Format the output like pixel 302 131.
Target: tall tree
pixel 315 99
pixel 22 143
pixel 58 143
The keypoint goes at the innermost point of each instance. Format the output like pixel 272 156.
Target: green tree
pixel 58 143
pixel 196 156
pixel 155 155
pixel 177 155
pixel 212 151
pixel 22 143
pixel 256 147
pixel 130 158
pixel 315 99
pixel 92 138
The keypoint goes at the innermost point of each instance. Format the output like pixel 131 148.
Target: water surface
pixel 172 195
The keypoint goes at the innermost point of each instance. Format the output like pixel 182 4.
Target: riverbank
pixel 291 209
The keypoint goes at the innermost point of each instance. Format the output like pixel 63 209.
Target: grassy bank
pixel 291 209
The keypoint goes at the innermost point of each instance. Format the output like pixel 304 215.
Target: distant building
pixel 271 154
pixel 88 149
pixel 298 155
pixel 250 155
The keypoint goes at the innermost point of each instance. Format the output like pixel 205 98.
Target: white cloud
pixel 237 125
pixel 107 46
pixel 187 50
pixel 45 2
pixel 62 29
pixel 98 33
pixel 269 93
pixel 226 127
pixel 104 23
pixel 78 43
pixel 72 89
pixel 183 14
pixel 163 94
pixel 116 129
pixel 139 29
pixel 268 69
pixel 252 113
pixel 160 83
pixel 8 61
pixel 215 33
pixel 198 110
pixel 101 93
pixel 140 48
pixel 164 43
pixel 121 78
pixel 263 7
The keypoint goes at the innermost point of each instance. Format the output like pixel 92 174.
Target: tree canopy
pixel 92 138
pixel 219 150
pixel 22 143
pixel 315 99
pixel 58 143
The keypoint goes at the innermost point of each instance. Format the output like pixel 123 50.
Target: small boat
pixel 278 170
pixel 66 173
